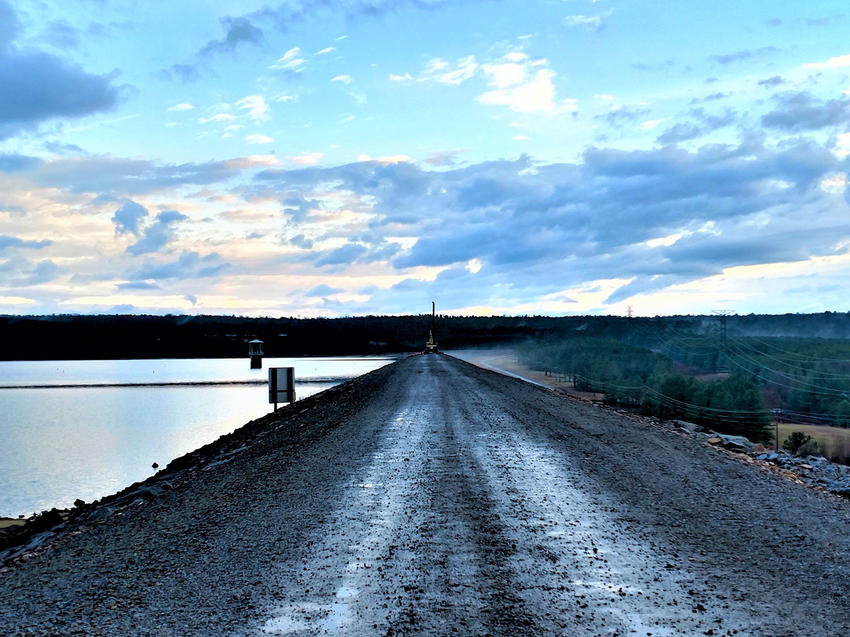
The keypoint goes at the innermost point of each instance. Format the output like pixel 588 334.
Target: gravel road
pixel 435 497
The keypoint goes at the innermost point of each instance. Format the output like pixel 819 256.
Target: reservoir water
pixel 111 420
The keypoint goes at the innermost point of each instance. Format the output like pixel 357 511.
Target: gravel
pixel 431 496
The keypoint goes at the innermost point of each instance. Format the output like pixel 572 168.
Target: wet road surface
pixel 438 498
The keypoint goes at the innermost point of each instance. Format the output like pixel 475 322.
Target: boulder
pixel 689 426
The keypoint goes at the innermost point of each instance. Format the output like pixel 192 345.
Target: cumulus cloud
pixel 771 82
pixel 344 255
pixel 156 235
pixel 306 159
pixel 680 132
pixel 36 86
pixel 605 217
pixel 10 163
pixel 620 116
pixel 189 265
pixel 803 112
pixel 7 242
pixel 126 218
pixel 43 272
pixel 118 177
pixel 837 62
pixel 238 32
pixel 442 158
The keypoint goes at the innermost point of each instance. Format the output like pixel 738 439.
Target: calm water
pixel 59 444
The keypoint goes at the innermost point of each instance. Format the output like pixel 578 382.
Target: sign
pixel 281 385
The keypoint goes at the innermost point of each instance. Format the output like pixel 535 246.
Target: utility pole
pixel 630 313
pixel 722 315
pixel 776 413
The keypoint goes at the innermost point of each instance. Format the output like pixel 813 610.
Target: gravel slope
pixel 435 497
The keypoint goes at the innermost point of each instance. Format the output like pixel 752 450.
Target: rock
pixel 714 441
pixel 839 489
pixel 150 492
pixel 155 465
pixel 738 442
pixel 101 513
pixel 689 426
pixel 78 502
pixel 45 520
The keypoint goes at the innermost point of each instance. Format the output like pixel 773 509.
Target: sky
pixel 350 157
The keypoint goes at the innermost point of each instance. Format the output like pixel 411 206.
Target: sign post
pixel 281 385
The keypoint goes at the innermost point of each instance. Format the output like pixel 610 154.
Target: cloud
pixel 138 285
pixel 442 158
pixel 801 112
pixel 126 218
pixel 523 90
pixel 746 54
pixel 10 163
pixel 588 22
pixel 255 106
pixel 259 139
pixel 189 265
pixel 156 235
pixel 7 242
pixel 43 272
pixel 183 106
pixel 239 31
pixel 300 241
pixel 442 72
pixel 344 255
pixel 306 159
pixel 14 210
pixel 345 79
pixel 322 290
pixel 120 178
pixel 624 115
pixel 218 117
pixel 681 132
pixel 186 73
pixel 63 149
pixel 291 61
pixel 772 81
pixel 328 49
pixel 837 62
pixel 36 87
pixel 61 35
pixel 538 229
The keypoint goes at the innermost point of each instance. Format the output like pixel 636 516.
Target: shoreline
pixel 30 535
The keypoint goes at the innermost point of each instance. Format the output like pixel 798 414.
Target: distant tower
pixel 430 345
pixel 255 352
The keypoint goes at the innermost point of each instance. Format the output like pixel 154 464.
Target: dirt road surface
pixel 434 497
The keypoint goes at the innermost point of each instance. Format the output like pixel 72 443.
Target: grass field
pixel 833 442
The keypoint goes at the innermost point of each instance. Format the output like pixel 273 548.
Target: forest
pixel 736 373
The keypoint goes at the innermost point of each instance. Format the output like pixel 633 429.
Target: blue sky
pixel 327 158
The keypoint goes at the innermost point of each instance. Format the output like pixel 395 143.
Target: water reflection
pixel 87 442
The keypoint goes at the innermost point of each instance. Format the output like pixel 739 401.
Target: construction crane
pixel 430 345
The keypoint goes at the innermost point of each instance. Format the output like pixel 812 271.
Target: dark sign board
pixel 281 385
